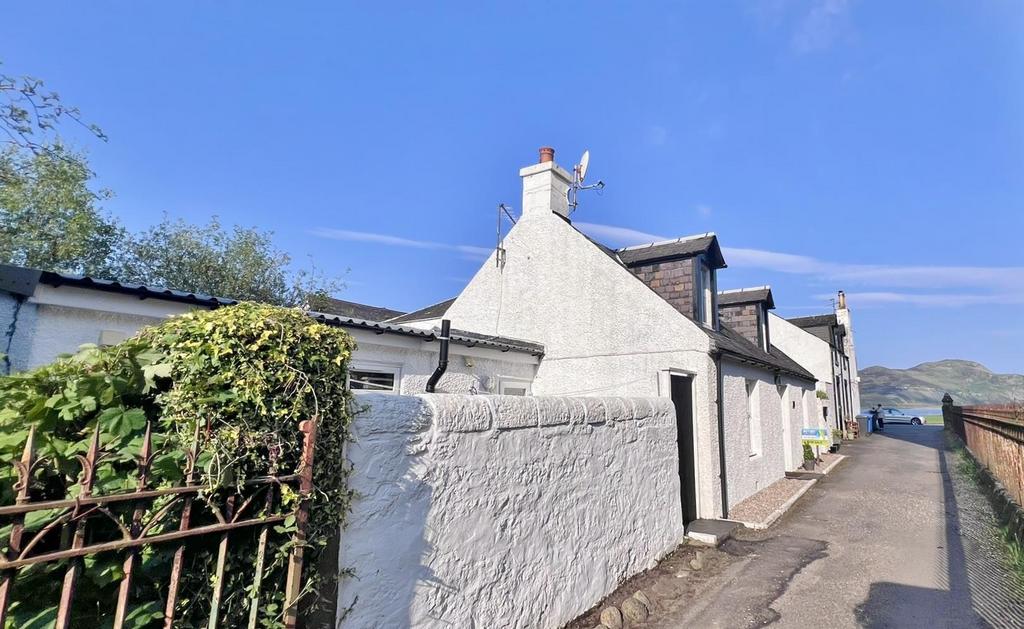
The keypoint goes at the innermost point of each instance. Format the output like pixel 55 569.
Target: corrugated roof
pixel 747 296
pixel 433 311
pixel 685 247
pixel 459 337
pixel 141 291
pixel 22 281
pixel 359 311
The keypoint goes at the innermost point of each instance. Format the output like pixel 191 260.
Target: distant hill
pixel 924 385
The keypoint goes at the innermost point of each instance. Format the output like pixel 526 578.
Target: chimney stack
pixel 842 300
pixel 545 185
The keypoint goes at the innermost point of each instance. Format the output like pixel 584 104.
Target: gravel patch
pixel 758 507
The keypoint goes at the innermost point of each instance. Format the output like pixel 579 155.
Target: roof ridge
pixel 743 290
pixel 658 243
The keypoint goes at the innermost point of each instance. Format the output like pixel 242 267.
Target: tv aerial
pixel 579 173
pixel 506 212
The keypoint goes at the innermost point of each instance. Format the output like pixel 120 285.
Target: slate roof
pixel 360 311
pixel 732 343
pixel 434 311
pixel 814 321
pixel 685 247
pixel 459 337
pixel 747 296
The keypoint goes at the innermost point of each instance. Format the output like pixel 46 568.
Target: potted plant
pixel 808 458
pixel 837 440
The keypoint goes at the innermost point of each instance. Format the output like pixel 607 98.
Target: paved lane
pixel 894 537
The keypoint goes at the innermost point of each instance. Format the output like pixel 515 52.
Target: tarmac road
pixel 895 536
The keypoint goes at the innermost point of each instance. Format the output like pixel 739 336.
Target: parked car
pixel 896 416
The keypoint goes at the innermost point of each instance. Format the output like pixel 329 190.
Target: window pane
pixel 371 380
pixel 514 391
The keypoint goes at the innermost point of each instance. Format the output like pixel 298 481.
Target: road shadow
pixel 978 591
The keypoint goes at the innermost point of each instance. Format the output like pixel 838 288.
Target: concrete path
pixel 893 537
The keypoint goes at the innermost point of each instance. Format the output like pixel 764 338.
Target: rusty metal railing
pixel 994 434
pixel 65 533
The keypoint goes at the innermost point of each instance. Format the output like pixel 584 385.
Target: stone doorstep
pixel 711 532
pixel 775 515
pixel 818 473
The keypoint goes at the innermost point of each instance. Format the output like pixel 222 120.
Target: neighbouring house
pixel 45 314
pixel 834 364
pixel 745 312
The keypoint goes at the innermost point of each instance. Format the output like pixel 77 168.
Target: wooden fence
pixel 994 434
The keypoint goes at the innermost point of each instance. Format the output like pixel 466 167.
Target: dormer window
pixel 705 304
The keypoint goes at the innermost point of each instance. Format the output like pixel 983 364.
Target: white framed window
pixel 705 293
pixel 513 386
pixel 368 377
pixel 754 418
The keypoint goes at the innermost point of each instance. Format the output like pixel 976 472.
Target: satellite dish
pixel 584 162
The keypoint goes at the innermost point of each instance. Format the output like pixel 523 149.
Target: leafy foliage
pixel 49 217
pixel 808 453
pixel 241 263
pixel 244 375
pixel 29 115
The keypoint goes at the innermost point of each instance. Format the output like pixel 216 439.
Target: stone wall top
pixel 481 413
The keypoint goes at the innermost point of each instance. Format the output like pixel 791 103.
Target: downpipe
pixel 442 360
pixel 723 478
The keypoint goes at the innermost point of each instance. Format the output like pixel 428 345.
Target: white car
pixel 896 416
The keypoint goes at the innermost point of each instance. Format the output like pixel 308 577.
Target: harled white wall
pixel 498 511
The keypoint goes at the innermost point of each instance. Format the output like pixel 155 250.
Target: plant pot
pixel 833 448
pixel 809 465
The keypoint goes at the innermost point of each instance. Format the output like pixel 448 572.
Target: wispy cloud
pixel 470 251
pixel 821 26
pixel 704 210
pixel 656 135
pixel 994 285
pixel 617 235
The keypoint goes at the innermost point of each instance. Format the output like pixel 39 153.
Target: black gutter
pixel 442 361
pixel 720 403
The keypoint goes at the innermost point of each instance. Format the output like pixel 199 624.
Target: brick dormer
pixel 745 310
pixel 682 271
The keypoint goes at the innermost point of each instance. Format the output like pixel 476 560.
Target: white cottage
pixel 640 321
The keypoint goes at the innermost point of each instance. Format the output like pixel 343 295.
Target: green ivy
pixel 246 375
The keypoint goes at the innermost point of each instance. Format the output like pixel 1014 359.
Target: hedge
pixel 248 374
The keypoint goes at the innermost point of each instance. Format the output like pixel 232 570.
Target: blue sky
pixel 875 147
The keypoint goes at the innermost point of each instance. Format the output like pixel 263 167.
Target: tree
pixel 49 219
pixel 29 114
pixel 48 214
pixel 242 264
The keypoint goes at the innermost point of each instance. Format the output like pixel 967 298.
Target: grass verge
pixel 967 466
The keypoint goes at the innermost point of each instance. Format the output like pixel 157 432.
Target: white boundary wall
pixel 501 511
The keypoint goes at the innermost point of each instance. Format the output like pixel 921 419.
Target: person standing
pixel 879 418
